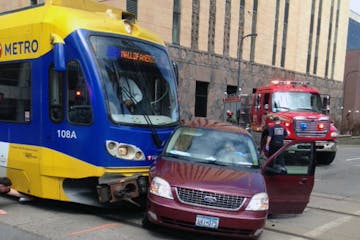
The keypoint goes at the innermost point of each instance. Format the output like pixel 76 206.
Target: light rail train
pixel 71 127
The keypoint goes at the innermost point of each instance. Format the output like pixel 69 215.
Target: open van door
pixel 289 186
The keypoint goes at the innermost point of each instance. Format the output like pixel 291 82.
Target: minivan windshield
pixel 138 80
pixel 296 101
pixel 212 146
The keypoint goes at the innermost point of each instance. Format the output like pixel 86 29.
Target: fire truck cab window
pixel 266 101
pixel 257 102
pixel 79 107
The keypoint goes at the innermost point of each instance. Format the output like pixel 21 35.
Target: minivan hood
pixel 207 177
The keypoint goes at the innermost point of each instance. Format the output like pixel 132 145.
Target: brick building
pixel 301 40
pixel 351 110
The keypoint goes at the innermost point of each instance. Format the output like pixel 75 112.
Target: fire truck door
pixel 257 111
pixel 289 177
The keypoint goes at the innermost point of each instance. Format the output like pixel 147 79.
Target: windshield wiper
pixel 286 108
pixel 155 136
pixel 214 162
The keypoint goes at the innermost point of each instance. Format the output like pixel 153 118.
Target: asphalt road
pixel 332 214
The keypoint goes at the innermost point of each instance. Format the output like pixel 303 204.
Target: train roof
pixel 62 17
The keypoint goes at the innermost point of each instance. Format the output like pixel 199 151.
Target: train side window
pixel 15 92
pixel 56 99
pixel 78 100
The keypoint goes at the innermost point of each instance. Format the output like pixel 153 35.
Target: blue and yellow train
pixel 87 98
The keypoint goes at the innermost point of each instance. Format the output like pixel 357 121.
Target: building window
pixel 311 31
pixel 231 90
pixel 201 94
pixel 79 107
pixel 15 92
pixel 335 39
pixel 176 22
pixel 241 27
pixel 329 39
pixel 33 2
pixel 276 27
pixel 253 30
pixel 132 6
pixel 284 38
pixel 317 37
pixel 195 24
pixel 212 22
pixel 227 27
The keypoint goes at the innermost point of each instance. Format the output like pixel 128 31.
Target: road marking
pixel 326 227
pixel 352 159
pixel 105 226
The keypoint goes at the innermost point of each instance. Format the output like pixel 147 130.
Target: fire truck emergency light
pixel 321 126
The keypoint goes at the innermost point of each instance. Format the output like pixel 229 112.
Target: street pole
pixel 240 58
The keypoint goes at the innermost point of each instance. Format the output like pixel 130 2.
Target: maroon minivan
pixel 211 179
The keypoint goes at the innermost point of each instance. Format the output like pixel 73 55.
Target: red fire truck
pixel 302 112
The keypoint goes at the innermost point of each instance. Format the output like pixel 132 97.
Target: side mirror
pixel 59 52
pixel 59 57
pixel 326 104
pixel 266 106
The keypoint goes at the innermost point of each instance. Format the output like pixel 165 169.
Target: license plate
pixel 206 221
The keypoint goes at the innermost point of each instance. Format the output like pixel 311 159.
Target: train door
pixel 70 108
pixel 289 177
pixel 69 136
pixel 20 123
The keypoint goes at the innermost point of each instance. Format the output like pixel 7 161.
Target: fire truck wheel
pixel 325 158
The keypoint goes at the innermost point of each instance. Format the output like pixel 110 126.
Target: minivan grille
pixel 309 128
pixel 209 199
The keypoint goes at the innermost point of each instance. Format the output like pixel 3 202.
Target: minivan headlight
pixel 259 202
pixel 161 187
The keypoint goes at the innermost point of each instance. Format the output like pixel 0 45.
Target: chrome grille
pixel 209 199
pixel 311 129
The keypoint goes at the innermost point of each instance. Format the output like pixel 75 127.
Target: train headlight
pixel 124 150
pixel 111 145
pixel 139 155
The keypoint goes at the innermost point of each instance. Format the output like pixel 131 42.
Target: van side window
pixel 56 98
pixel 78 100
pixel 15 92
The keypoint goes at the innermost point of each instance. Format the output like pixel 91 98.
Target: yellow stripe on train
pixel 41 171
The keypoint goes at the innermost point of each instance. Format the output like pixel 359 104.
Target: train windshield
pixel 138 80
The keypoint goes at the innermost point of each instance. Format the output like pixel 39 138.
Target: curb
pixel 348 140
